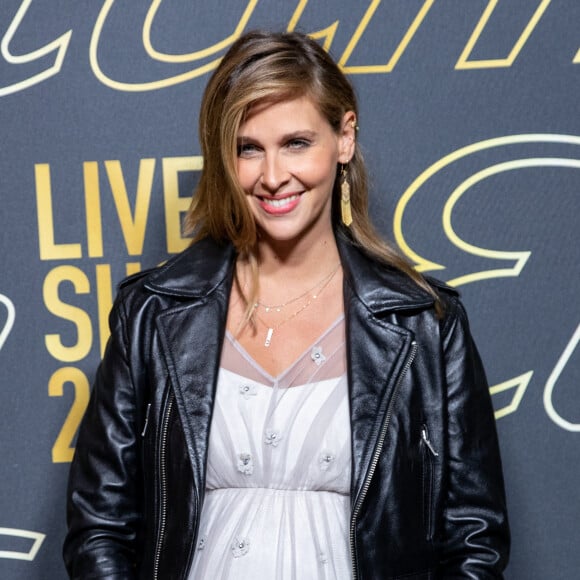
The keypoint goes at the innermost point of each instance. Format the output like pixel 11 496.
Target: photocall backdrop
pixel 470 124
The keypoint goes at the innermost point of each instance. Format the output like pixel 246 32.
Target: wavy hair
pixel 274 66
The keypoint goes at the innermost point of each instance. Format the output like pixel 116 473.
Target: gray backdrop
pixel 471 127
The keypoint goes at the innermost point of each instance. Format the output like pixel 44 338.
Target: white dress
pixel 277 502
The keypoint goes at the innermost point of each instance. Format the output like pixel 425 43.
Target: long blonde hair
pixel 274 66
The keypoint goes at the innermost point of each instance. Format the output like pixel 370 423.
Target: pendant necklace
pixel 271 328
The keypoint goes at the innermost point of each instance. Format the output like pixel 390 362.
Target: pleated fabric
pixel 277 502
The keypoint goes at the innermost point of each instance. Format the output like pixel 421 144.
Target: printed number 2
pixel 62 450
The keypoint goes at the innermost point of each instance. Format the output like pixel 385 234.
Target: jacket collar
pixel 380 288
pixel 201 268
pixel 195 272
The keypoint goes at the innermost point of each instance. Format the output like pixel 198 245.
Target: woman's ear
pixel 347 137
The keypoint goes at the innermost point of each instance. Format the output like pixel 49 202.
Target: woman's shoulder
pixel 192 274
pixel 437 300
pixel 188 273
pixel 383 285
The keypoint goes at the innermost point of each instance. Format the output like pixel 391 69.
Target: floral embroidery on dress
pixel 247 390
pixel 201 543
pixel 240 547
pixel 325 459
pixel 317 356
pixel 273 437
pixel 245 463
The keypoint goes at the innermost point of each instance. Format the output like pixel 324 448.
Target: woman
pixel 287 398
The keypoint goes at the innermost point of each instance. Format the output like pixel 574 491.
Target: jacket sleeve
pixel 104 497
pixel 475 542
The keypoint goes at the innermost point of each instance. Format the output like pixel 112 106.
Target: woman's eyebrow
pixel 300 133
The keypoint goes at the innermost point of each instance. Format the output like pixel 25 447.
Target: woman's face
pixel 287 159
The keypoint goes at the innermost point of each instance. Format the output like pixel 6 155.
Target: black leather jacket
pixel 427 489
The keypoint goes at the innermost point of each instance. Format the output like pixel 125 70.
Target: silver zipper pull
pixel 425 437
pixel 146 420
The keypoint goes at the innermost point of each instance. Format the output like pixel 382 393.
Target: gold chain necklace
pixel 278 307
pixel 271 329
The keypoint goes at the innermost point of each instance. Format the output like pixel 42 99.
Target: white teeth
pixel 280 202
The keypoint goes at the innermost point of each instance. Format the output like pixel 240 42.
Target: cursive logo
pixel 465 191
pixel 159 67
pixel 54 51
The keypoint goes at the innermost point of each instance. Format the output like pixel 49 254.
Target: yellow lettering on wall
pixel 198 54
pixel 175 205
pixel 464 63
pixel 517 386
pixel 295 18
pixel 56 49
pixel 384 68
pixel 161 56
pixel 327 33
pixel 74 314
pixel 516 260
pixel 62 450
pixel 132 268
pixel 49 250
pixel 133 226
pixel 93 209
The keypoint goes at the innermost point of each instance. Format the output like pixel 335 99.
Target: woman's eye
pixel 298 144
pixel 246 149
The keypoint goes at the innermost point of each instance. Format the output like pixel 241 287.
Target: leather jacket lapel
pixel 377 349
pixel 191 339
pixel 377 352
pixel 191 336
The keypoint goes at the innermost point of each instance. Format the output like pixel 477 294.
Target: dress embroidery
pixel 245 463
pixel 240 547
pixel 277 488
pixel 273 437
pixel 201 543
pixel 325 459
pixel 247 390
pixel 317 356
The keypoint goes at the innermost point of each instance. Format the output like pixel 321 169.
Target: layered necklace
pixel 312 294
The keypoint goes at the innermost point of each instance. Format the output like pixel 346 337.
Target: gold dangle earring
pixel 345 210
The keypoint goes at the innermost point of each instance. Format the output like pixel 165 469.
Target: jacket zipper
pixel 375 458
pixel 144 432
pixel 163 487
pixel 426 440
pixel 428 454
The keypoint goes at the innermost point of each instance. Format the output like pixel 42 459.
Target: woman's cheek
pixel 245 174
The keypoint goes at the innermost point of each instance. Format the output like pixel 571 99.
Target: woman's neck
pixel 301 260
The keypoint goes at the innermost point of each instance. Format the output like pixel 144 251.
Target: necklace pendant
pixel 269 337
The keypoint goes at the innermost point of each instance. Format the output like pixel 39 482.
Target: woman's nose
pixel 274 173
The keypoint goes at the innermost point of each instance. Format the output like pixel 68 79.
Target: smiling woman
pixel 287 398
pixel 288 154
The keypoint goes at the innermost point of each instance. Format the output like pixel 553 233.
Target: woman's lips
pixel 279 205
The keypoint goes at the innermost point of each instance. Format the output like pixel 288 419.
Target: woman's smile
pixel 288 155
pixel 281 204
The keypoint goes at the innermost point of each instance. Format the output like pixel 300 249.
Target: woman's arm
pixel 104 496
pixel 475 541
